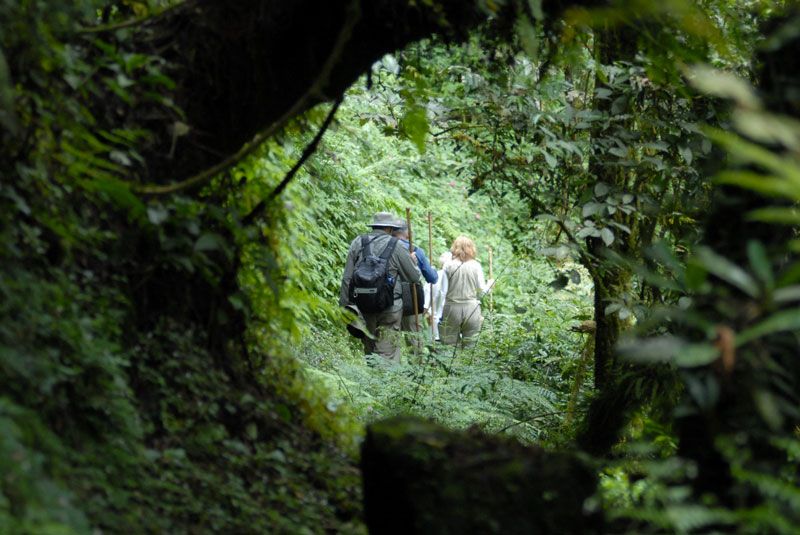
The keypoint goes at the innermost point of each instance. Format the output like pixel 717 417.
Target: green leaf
pixel 779 215
pixel 695 277
pixel 209 241
pixel 591 208
pixel 693 355
pixel 651 350
pixel 619 152
pixel 768 408
pixel 727 271
pixel 787 294
pixel 624 228
pixel 765 185
pixel 118 192
pixel 550 159
pixel 251 430
pixel 527 36
pixel 759 261
pixel 585 232
pixel 415 126
pixel 559 253
pixel 686 154
pixel 766 128
pixel 711 81
pixel 785 320
pixel 750 152
pixel 688 518
pixel 601 189
pixel 602 93
pixel 157 214
pixel 607 236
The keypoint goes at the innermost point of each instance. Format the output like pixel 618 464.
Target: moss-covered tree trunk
pixel 422 478
pixel 610 283
pixel 606 414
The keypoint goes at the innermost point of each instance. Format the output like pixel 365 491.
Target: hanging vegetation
pixel 182 181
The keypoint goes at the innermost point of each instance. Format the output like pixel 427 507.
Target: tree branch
pixel 307 152
pixel 315 91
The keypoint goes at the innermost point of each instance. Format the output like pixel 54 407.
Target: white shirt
pixel 439 291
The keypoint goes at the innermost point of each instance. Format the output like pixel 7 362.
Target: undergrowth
pixel 516 380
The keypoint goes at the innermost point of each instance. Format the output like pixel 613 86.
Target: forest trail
pixel 181 180
pixel 511 380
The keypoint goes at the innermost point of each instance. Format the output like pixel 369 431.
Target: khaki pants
pixel 385 327
pixel 461 322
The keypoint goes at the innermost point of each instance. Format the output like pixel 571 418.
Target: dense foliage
pixel 129 401
pixel 509 378
pixel 171 356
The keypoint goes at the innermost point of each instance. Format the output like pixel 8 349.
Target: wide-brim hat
pixel 384 219
pixel 401 224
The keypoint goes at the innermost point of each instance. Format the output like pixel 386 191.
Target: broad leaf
pixel 759 261
pixel 607 236
pixel 727 271
pixel 415 126
pixel 785 320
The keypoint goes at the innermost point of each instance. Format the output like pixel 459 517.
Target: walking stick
pixel 411 250
pixel 491 276
pixel 430 286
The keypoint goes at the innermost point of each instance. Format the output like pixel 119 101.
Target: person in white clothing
pixel 439 291
pixel 465 286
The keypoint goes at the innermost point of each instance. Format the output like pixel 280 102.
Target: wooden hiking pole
pixel 491 276
pixel 414 300
pixel 430 286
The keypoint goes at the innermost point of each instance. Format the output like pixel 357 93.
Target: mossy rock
pixel 420 477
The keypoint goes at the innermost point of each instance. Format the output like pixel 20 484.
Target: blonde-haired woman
pixel 463 286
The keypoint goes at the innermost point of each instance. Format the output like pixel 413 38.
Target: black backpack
pixel 408 299
pixel 371 289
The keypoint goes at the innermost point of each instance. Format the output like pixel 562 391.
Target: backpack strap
pixel 387 252
pixel 366 250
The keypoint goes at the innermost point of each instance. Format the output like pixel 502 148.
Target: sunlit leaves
pixel 723 84
pixel 415 126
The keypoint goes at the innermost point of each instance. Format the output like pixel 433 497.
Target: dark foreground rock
pixel 420 477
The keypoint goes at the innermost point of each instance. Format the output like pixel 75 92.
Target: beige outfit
pixel 385 325
pixel 463 286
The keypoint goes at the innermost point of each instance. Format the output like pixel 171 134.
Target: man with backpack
pixel 375 264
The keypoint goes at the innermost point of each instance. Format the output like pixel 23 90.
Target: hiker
pixel 369 285
pixel 410 321
pixel 463 286
pixel 434 295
